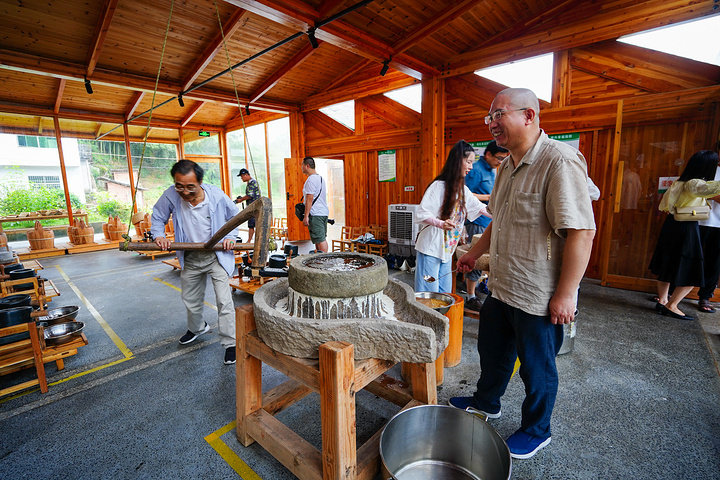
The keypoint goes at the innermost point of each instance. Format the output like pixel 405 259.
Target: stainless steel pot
pixel 443 297
pixel 63 332
pixel 59 315
pixel 442 442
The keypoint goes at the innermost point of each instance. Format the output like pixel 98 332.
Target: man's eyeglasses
pixel 185 188
pixel 498 114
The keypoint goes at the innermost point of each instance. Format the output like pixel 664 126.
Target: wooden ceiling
pixel 48 49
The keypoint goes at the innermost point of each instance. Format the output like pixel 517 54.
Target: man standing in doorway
pixel 316 207
pixel 199 210
pixel 539 242
pixel 480 180
pixel 252 193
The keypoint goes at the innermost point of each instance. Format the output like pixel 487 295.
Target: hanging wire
pixel 147 130
pixel 237 97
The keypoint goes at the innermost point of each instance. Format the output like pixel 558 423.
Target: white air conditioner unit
pixel 402 229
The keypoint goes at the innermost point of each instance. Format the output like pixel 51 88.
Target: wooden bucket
pixel 106 233
pixel 72 232
pixel 40 238
pixel 85 234
pixel 453 352
pixel 3 240
pixel 115 229
pixel 170 228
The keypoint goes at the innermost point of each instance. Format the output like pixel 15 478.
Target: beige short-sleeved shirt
pixel 532 206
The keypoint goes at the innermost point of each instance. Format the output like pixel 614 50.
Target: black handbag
pixel 300 207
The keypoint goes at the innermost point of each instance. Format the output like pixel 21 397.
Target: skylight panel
pixel 533 73
pixel 410 96
pixel 696 40
pixel 342 112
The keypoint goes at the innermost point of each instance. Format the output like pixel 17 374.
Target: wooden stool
pixel 336 376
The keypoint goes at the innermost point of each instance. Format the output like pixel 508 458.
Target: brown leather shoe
pixel 473 304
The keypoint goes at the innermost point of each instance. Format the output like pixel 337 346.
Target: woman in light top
pixel 678 257
pixel 445 206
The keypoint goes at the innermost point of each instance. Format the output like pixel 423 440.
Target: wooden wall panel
pixel 357 181
pixel 383 194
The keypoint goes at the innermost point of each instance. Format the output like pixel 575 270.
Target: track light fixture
pixel 88 87
pixel 311 37
pixel 180 100
pixel 385 67
pixel 247 109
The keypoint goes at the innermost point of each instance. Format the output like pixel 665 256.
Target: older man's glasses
pixel 185 188
pixel 498 114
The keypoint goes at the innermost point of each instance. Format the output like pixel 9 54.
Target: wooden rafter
pixel 326 125
pixel 134 104
pixel 350 73
pixel 59 69
pixel 436 22
pixel 394 113
pixel 302 17
pixel 575 28
pixel 98 129
pixel 193 111
pixel 59 96
pixel 214 47
pixel 101 29
pixel 40 125
pixel 273 79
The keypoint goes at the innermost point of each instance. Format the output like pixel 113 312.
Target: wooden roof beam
pixel 192 113
pixel 584 24
pixel 98 129
pixel 228 30
pixel 98 40
pixel 71 71
pixel 302 17
pixel 40 125
pixel 59 96
pixel 134 104
pixel 271 81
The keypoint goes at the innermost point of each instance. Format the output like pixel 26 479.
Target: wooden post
pixel 225 172
pixel 337 411
pixel 131 177
pixel 432 131
pixel 297 136
pixel 248 374
pixel 63 172
pixel 181 143
pixel 422 378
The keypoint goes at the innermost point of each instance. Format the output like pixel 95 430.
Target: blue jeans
pixel 506 333
pixel 429 265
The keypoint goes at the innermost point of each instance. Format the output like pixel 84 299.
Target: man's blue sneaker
pixel 523 445
pixel 468 404
pixel 482 287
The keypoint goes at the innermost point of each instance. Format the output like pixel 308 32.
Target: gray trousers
pixel 193 279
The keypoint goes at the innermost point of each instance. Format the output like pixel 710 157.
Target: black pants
pixel 710 238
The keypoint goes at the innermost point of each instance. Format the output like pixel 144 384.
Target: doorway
pixel 333 171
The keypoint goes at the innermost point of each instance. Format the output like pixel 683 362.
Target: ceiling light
pixel 88 87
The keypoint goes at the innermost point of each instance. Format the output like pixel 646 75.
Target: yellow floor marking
pixel 235 462
pixel 179 290
pixel 113 336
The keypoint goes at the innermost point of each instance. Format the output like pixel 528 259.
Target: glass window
pixel 534 73
pixel 236 153
pixel 410 96
pixel 696 40
pixel 202 145
pixel 257 159
pixel 342 112
pixel 279 144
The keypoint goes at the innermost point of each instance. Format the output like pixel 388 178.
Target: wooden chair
pixel 344 244
pixel 16 355
pixel 279 230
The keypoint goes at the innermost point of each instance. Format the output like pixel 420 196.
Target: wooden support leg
pixel 422 379
pixel 337 411
pixel 248 373
pixel 60 363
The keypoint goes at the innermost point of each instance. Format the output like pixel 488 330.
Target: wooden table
pixel 336 376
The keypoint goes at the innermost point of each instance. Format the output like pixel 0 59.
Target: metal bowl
pixel 60 315
pixel 443 297
pixel 63 332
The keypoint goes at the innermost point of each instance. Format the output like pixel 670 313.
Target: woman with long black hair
pixel 678 257
pixel 445 206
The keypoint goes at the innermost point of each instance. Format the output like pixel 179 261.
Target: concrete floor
pixel 639 395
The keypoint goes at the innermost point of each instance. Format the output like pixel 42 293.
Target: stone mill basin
pixel 348 297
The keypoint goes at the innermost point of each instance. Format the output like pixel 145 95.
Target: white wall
pixel 42 161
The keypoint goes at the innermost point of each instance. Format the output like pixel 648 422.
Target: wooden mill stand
pixel 336 376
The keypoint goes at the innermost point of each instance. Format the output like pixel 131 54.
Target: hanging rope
pixel 237 97
pixel 147 130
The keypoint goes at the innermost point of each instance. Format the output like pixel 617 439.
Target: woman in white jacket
pixel 445 206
